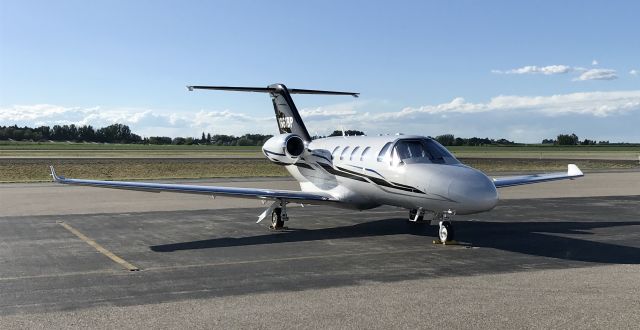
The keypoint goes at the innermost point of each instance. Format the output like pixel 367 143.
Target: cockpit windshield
pixel 421 151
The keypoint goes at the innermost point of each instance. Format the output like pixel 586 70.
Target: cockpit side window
pixel 435 152
pixel 384 151
pixel 420 151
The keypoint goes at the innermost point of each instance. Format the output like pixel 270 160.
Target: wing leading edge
pixel 289 195
pixel 572 172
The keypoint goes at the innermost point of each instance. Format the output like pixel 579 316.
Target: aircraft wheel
pixel 412 215
pixel 276 219
pixel 445 233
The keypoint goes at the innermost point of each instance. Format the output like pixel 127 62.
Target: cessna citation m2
pixel 357 172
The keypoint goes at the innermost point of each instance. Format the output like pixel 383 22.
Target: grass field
pixel 28 162
pixel 35 170
pixel 97 150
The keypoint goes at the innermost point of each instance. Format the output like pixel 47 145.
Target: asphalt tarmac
pixel 559 262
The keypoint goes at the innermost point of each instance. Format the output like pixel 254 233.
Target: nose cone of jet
pixel 474 191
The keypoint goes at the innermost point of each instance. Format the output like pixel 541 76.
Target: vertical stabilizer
pixel 287 115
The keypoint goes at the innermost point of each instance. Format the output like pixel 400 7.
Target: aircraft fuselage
pixel 405 171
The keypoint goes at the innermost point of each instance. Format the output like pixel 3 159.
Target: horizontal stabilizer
pixel 287 115
pixel 271 90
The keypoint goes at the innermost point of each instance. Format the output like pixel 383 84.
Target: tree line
pixel 116 133
pixel 119 133
pixel 451 140
pixel 561 139
pixel 572 140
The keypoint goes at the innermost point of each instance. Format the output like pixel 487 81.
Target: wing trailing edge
pixel 273 194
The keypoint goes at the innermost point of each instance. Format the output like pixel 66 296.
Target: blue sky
pixel 520 70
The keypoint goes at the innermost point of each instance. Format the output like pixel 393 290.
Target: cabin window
pixel 364 153
pixel 344 153
pixel 353 153
pixel 384 151
pixel 334 153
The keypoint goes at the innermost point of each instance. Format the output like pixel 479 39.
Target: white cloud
pixel 597 74
pixel 525 118
pixel 585 74
pixel 342 109
pixel 634 72
pixel 142 121
pixel 599 104
pixel 533 69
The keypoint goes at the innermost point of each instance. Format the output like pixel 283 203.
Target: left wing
pixel 572 172
pixel 289 195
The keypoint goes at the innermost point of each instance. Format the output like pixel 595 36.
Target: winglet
pixel 54 176
pixel 573 170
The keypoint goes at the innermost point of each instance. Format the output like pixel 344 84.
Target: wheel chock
pixel 437 241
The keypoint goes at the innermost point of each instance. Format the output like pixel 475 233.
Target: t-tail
pixel 287 115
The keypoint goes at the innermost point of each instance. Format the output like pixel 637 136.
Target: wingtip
pixel 54 176
pixel 573 170
pixel 53 172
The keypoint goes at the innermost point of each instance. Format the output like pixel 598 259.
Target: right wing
pixel 289 195
pixel 572 172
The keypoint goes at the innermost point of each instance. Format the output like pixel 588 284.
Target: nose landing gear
pixel 443 219
pixel 446 233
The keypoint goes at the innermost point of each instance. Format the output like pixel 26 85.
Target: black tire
pixel 445 232
pixel 412 215
pixel 276 219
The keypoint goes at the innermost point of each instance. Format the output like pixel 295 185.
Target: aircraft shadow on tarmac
pixel 545 239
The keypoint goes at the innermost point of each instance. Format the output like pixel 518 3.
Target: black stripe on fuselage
pixel 333 171
pixel 366 178
pixel 303 165
pixel 385 183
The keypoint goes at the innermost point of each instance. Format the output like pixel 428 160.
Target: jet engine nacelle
pixel 284 148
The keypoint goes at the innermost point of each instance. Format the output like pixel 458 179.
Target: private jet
pixel 357 172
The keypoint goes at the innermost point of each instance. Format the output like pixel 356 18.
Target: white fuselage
pixel 405 171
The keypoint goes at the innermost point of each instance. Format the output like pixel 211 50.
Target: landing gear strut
pixel 416 215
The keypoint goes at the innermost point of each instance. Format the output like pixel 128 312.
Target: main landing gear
pixel 278 212
pixel 278 217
